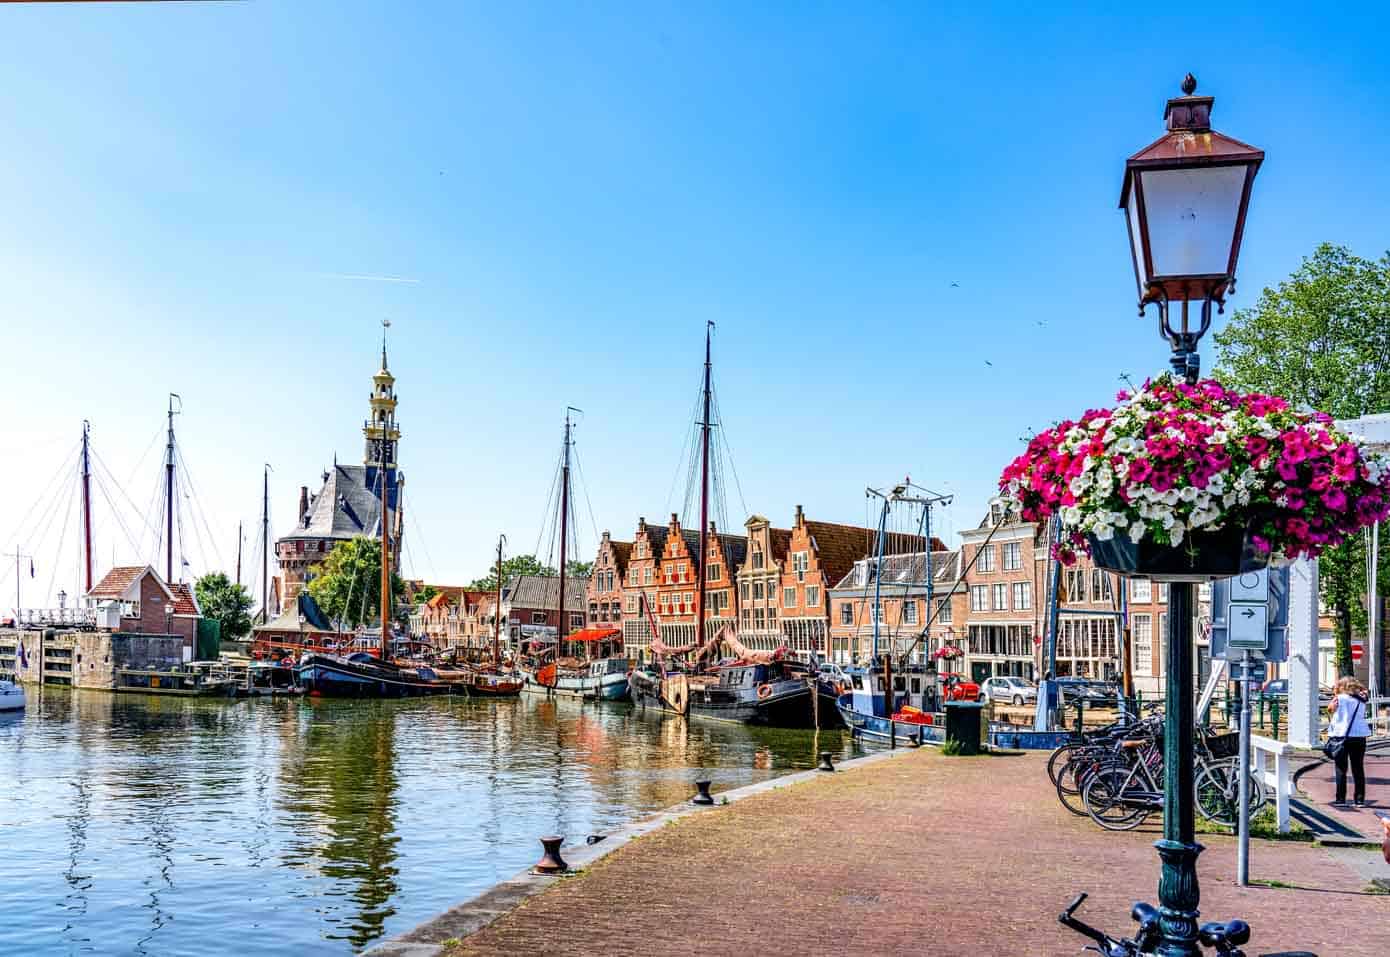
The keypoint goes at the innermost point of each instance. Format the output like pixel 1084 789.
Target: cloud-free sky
pixel 902 218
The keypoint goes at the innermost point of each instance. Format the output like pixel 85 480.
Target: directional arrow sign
pixel 1248 624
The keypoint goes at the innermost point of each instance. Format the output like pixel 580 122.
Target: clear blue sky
pixel 574 191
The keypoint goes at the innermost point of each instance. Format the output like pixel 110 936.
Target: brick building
pixel 530 609
pixel 605 592
pixel 1003 597
pixel 135 599
pixel 640 588
pixel 348 502
pixel 901 609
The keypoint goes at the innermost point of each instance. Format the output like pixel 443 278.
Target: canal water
pixel 137 824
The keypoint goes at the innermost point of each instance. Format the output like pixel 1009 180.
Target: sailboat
pixel 769 688
pixel 371 672
pixel 600 672
pixel 490 680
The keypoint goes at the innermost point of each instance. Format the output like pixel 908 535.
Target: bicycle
pixel 1226 939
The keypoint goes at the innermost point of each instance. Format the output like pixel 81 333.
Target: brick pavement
pixel 925 855
pixel 1319 784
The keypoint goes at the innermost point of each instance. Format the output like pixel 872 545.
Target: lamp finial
pixel 1189 84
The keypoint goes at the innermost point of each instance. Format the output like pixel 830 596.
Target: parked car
pixel 1279 688
pixel 829 671
pixel 961 688
pixel 1010 688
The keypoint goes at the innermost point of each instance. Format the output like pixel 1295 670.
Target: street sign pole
pixel 1243 790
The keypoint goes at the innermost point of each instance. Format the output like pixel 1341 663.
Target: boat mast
pixel 385 552
pixel 169 492
pixel 238 552
pixel 564 543
pixel 87 504
pixel 497 612
pixel 265 545
pixel 704 497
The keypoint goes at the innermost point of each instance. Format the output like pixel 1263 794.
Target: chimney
pixel 303 501
pixel 712 530
pixel 675 520
pixel 800 518
pixel 641 524
pixel 605 535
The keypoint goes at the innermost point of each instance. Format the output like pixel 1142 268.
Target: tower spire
pixel 385 324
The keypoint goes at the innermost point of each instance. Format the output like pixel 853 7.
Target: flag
pixel 23 658
pixel 31 568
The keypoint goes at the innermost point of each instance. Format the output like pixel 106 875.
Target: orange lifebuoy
pixel 764 692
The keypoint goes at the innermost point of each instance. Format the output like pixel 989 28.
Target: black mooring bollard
pixel 551 862
pixel 703 797
pixel 825 764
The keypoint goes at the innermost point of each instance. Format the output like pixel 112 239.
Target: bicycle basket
pixel 1223 745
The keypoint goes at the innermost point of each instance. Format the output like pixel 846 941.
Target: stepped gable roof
pixel 543 592
pixel 780 541
pixel 656 536
pixel 735 549
pixel 184 603
pixel 472 598
pixel 622 551
pixel 346 506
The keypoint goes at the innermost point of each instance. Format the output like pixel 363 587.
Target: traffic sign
pixel 1248 625
pixel 1255 671
pixel 1250 612
pixel 1357 650
pixel 1250 586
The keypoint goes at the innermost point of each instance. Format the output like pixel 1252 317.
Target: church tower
pixel 380 430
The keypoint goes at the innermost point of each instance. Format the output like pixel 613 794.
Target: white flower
pixel 1136 531
pixel 1103 531
pixel 1079 485
pixel 1228 499
pixel 1125 445
pixel 1169 497
pixel 1189 493
pixel 1219 435
pixel 1176 533
pixel 1071 515
pixel 1168 519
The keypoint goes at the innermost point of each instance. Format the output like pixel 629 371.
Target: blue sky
pixel 574 190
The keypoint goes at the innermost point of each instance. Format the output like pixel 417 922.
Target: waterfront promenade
pixel 921 854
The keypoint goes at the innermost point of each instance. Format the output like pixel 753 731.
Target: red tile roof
pixel 183 599
pixel 115 582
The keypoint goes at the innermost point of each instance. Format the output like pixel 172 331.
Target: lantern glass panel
pixel 1136 242
pixel 1191 215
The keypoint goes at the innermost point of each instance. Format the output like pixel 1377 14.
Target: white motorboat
pixel 11 696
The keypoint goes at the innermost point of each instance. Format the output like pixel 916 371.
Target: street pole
pixel 1178 890
pixel 1373 636
pixel 1243 814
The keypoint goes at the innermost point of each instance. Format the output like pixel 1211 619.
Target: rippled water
pixel 147 825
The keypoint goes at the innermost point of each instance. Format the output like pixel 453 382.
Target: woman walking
pixel 1346 738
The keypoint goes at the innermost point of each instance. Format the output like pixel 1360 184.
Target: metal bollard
pixel 1262 712
pixel 703 797
pixel 1274 715
pixel 825 764
pixel 551 862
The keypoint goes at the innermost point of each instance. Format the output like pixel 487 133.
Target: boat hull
pixel 329 676
pixel 788 705
pixel 12 697
pixel 613 687
pixel 874 727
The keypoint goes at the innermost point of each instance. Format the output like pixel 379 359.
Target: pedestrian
pixel 1346 738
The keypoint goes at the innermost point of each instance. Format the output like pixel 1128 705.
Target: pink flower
pixel 1346 454
pixel 1335 499
pixel 1261 544
pixel 1344 472
pixel 1256 445
pixel 1286 469
pixel 1141 469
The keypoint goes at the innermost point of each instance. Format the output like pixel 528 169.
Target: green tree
pixel 425 594
pixel 511 567
pixel 1321 339
pixel 578 569
pixel 347 584
pixel 230 604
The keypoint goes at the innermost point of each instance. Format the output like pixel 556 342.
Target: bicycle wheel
pixel 1073 778
pixel 1218 792
pixel 1058 761
pixel 1105 798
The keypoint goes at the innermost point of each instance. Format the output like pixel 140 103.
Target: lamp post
pixel 168 619
pixel 1185 197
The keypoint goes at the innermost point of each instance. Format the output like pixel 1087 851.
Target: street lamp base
pixel 1178 896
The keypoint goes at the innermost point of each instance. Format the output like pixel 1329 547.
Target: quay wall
pixel 84 659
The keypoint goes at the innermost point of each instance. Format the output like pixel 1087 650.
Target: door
pixel 979 671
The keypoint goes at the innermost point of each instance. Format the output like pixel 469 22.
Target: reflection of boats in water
pixel 195 679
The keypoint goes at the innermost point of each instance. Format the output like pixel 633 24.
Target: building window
pixel 690 598
pixel 1076 584
pixel 979 598
pixel 743 590
pixel 537 617
pixel 1163 592
pixel 910 613
pixel 1013 556
pixel 1100 585
pixel 812 596
pixel 985 560
pixel 576 621
pixel 799 565
pixel 759 618
pixel 713 572
pixel 1141 589
pixel 878 612
pixel 1001 597
pixel 1023 596
pixel 1142 632
pixel 943 611
pixel 757 559
pixel 757 590
pixel 788 597
pixel 846 613
pixel 647 575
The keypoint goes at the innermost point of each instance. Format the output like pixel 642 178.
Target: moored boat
pixel 601 675
pixel 12 696
pixel 761 693
pixel 362 675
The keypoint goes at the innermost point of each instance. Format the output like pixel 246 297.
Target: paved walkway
pixel 924 854
pixel 1320 786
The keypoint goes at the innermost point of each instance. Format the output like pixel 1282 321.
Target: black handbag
pixel 1335 747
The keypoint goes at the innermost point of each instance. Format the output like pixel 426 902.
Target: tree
pixel 228 603
pixel 511 567
pixel 425 594
pixel 578 569
pixel 1322 339
pixel 347 584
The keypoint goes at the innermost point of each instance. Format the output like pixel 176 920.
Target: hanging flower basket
pixel 1195 481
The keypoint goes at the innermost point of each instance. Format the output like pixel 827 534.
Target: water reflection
pixel 168 825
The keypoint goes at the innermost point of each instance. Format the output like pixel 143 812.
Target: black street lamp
pixel 1185 197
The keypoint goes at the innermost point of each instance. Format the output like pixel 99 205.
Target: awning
pixel 593 634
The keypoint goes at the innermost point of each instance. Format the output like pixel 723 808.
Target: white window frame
pixel 1023 596
pixel 846 613
pixel 999 597
pixel 1142 633
pixel 1140 590
pixel 812 596
pixel 1013 556
pixel 984 561
pixel 979 598
pixel 788 596
pixel 910 612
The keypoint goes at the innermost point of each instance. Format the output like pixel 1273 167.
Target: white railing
pixel 1269 761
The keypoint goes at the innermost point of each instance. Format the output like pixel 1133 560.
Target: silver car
pixel 1009 688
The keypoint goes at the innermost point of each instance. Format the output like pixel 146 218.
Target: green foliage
pixel 953 748
pixel 1321 339
pixel 578 569
pixel 229 603
pixel 516 565
pixel 347 584
pixel 425 594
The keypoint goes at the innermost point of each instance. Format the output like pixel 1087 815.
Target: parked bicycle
pixel 1226 939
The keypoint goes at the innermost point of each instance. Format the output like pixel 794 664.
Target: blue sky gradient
pixel 573 192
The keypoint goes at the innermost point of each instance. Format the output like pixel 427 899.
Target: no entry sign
pixel 1357 648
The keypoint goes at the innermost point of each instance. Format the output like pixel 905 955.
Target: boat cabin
pixel 916 687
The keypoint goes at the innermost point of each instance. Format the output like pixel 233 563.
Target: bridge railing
pixel 1269 761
